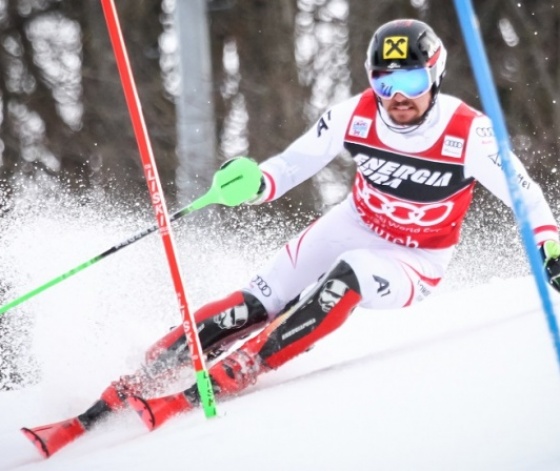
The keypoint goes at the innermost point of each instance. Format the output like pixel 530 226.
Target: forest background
pixel 276 66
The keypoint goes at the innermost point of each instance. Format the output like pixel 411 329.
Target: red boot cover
pixel 112 398
pixel 50 438
pixel 154 412
pixel 236 372
pixel 275 346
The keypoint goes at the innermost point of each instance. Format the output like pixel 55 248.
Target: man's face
pixel 406 111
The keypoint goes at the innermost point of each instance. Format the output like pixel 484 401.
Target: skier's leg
pixel 381 276
pixel 308 256
pixel 316 315
pixel 219 324
pixel 375 280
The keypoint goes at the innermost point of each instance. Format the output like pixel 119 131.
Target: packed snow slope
pixel 467 380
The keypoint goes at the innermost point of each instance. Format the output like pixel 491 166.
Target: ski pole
pixel 231 186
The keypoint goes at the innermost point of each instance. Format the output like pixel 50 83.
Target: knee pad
pixel 385 281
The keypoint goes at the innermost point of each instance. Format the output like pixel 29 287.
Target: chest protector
pixel 415 199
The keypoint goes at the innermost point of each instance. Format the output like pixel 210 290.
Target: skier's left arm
pixel 483 162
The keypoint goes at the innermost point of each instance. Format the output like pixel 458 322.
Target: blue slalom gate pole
pixel 491 104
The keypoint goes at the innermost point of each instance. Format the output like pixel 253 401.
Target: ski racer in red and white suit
pixel 403 218
pixel 418 154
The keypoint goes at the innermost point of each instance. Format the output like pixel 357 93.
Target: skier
pixel 418 154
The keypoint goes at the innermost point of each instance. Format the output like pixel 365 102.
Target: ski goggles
pixel 412 83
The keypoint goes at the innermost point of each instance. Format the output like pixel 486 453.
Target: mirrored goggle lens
pixel 412 83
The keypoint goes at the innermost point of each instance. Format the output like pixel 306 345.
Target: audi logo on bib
pixel 402 212
pixel 405 213
pixel 431 224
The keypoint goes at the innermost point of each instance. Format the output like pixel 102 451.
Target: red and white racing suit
pixel 413 186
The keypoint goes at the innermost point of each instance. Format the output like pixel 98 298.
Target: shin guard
pixel 223 322
pixel 218 323
pixel 316 315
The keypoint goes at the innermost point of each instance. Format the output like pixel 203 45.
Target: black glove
pixel 550 253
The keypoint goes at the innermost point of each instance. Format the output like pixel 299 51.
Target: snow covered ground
pixel 468 380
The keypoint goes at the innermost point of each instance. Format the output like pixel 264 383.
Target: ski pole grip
pixel 237 182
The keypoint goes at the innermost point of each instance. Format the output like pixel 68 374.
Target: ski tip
pixel 48 439
pixel 37 441
pixel 143 410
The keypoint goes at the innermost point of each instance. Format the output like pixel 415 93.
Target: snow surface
pixel 467 380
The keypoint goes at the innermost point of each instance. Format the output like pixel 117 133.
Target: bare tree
pixel 263 33
pixel 107 118
pixel 63 105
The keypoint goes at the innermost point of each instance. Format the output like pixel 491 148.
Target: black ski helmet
pixel 407 44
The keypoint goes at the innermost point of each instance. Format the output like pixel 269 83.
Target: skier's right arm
pixel 308 154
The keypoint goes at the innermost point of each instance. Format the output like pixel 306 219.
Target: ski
pixel 48 439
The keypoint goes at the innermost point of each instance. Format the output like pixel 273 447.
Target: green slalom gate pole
pixel 232 185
